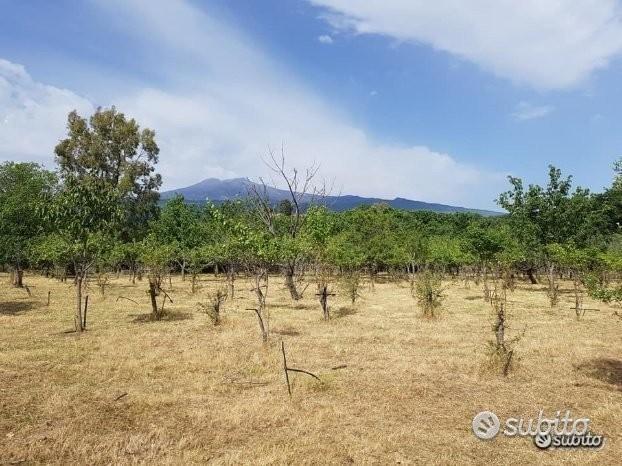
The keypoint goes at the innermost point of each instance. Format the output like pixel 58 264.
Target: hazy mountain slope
pixel 217 190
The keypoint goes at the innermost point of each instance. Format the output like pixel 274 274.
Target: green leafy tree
pixel 554 214
pixel 226 226
pixel 24 189
pixel 115 151
pixel 157 257
pixel 86 217
pixel 180 226
pixel 375 228
pixel 109 188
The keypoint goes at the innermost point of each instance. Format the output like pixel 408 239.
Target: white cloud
pixel 325 39
pixel 240 102
pixel 547 44
pixel 32 115
pixel 528 111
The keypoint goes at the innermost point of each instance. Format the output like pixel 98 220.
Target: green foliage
pixel 429 292
pixel 103 213
pixel 555 214
pixel 114 153
pixel 25 188
pixel 182 228
pixel 350 282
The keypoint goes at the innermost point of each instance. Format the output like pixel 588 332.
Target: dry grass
pixel 197 393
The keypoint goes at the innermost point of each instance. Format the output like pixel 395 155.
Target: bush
pixel 429 293
pixel 216 299
pixel 350 283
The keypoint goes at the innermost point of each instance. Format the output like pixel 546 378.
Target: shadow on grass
pixel 287 331
pixel 288 305
pixel 303 306
pixel 166 317
pixel 13 308
pixel 344 311
pixel 607 370
pixel 473 298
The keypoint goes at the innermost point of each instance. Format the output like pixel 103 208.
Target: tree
pixel 285 208
pixel 24 190
pixel 228 245
pixel 120 155
pixel 542 216
pixel 376 230
pixel 286 227
pixel 109 188
pixel 180 227
pixel 86 217
pixel 156 256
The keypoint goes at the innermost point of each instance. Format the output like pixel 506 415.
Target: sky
pixel 434 101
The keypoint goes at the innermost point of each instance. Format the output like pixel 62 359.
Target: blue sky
pixel 436 101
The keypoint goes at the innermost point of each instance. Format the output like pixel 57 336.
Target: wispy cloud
pixel 547 44
pixel 528 111
pixel 32 115
pixel 325 39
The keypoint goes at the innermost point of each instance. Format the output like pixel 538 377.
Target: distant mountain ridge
pixel 217 190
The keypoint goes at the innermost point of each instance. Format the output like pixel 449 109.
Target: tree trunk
pixel 183 271
pixel 18 278
pixel 261 289
pixel 290 283
pixel 500 327
pixel 324 302
pixel 372 278
pixel 231 280
pixel 153 292
pixel 553 287
pixel 531 276
pixel 78 317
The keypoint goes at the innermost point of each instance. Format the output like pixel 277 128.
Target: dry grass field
pixel 182 391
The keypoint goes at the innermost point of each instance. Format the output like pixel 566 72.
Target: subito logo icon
pixel 486 425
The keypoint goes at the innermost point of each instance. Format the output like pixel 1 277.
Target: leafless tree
pixel 303 192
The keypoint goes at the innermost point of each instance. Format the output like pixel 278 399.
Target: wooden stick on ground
pixel 123 297
pixel 86 306
pixel 287 369
pixel 289 388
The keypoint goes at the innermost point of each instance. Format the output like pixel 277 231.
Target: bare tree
pixel 303 192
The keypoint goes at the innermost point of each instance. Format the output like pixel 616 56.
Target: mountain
pixel 216 190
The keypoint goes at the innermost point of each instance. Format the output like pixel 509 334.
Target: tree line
pixel 98 213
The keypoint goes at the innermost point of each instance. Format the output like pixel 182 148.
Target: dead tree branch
pixel 288 369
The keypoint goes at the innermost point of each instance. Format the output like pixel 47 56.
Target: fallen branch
pixel 287 369
pixel 123 297
pixel 122 395
pixel 343 366
pixel 304 372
